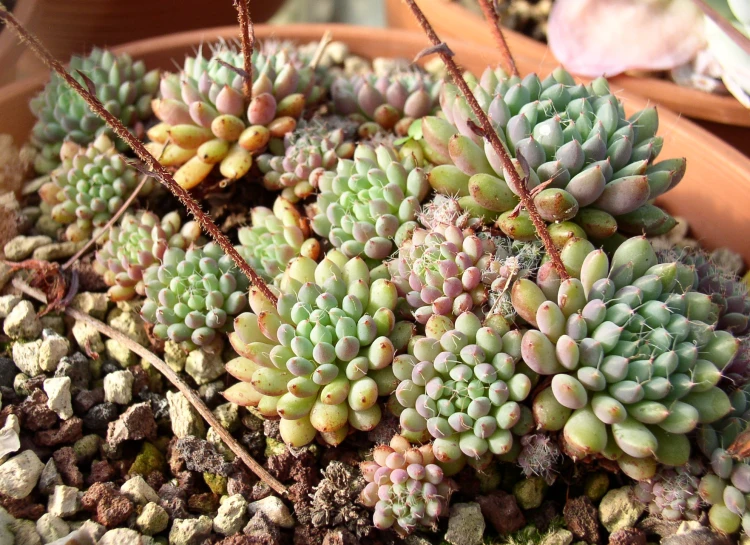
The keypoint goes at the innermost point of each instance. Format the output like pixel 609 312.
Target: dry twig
pixel 488 132
pixel 167 371
pixel 493 20
pixel 157 169
pixel 247 32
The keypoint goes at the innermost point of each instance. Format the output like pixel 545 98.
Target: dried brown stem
pixel 158 170
pixel 493 20
pixel 488 132
pixel 93 240
pixel 167 371
pixel 247 32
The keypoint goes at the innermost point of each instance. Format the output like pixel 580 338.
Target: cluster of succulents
pixel 633 354
pixel 206 120
pixel 725 288
pixel 275 238
pixel 370 203
pixel 321 356
pixel 672 493
pixel 726 485
pixel 387 100
pixel 461 384
pixel 403 275
pixel 308 154
pixel 192 295
pixel 123 86
pixel 440 272
pixel 405 488
pixel 136 244
pixel 596 163
pixel 91 184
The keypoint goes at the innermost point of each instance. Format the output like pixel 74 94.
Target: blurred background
pixel 70 27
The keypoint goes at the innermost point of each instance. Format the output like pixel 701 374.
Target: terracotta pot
pixel 69 27
pixel 10 49
pixel 451 19
pixel 714 195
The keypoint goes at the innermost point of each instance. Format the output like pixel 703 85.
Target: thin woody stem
pixel 489 133
pixel 247 32
pixel 157 169
pixel 493 20
pixel 172 377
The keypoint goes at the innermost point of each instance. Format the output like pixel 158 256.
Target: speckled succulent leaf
pixel 275 237
pixel 597 165
pixel 193 295
pixel 92 183
pixel 324 351
pixel 136 244
pixel 406 488
pixel 124 87
pixel 633 352
pixel 370 203
pixel 207 121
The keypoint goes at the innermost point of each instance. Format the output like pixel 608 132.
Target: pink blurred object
pixel 607 37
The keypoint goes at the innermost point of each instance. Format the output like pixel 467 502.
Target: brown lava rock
pixel 67 466
pixel 240 481
pixel 628 536
pixel 36 414
pixel 22 509
pixel 174 501
pixel 582 520
pixel 111 508
pixel 140 379
pixel 542 516
pixel 101 472
pixel 70 431
pixel 133 425
pixel 501 510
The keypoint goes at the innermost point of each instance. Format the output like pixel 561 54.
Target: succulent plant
pixel 596 163
pixel 137 243
pixel 441 272
pixel 92 184
pixel 308 154
pixel 726 486
pixel 633 354
pixel 513 259
pixel 461 384
pixel 672 493
pixel 206 119
pixel 369 204
pixel 725 288
pixel 275 238
pixel 320 357
pixel 388 99
pixel 193 294
pixel 406 488
pixel 123 86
